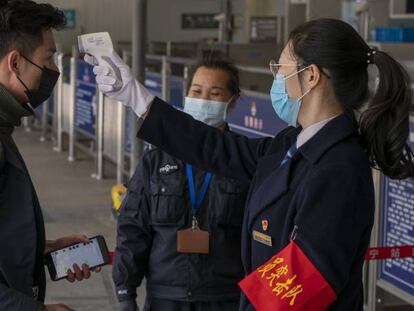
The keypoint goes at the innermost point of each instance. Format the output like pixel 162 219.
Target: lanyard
pixel 196 202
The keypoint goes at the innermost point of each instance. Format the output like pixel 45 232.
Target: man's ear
pixel 13 61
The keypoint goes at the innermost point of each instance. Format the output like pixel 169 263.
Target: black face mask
pixel 46 85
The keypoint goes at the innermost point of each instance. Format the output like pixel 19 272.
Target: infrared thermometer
pixel 100 46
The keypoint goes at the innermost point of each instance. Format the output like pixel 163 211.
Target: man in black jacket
pixel 28 75
pixel 167 196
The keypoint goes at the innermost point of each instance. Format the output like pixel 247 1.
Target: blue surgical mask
pixel 213 113
pixel 285 107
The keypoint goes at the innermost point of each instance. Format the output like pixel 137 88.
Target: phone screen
pixel 83 253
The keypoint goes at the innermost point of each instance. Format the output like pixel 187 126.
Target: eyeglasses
pixel 275 67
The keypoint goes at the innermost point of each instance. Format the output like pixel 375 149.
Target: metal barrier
pixel 72 138
pixel 120 156
pixel 372 267
pixel 58 119
pixel 65 115
pixel 99 137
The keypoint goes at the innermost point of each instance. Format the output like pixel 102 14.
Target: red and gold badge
pixel 265 225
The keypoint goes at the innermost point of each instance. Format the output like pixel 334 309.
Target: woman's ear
pixel 313 76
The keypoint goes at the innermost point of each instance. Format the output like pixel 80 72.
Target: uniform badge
pixel 262 238
pixel 265 225
pixel 168 169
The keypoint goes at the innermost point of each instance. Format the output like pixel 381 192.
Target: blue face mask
pixel 285 107
pixel 210 112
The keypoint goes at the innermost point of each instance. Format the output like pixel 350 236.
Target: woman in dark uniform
pixel 312 183
pixel 165 198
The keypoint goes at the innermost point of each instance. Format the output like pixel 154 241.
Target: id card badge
pixel 194 241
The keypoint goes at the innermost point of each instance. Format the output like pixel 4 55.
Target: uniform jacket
pixel 325 190
pixel 157 205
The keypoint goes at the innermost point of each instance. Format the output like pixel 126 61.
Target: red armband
pixel 288 281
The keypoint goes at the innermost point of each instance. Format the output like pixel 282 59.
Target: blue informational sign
pixel 254 116
pixel 397 228
pixel 38 112
pixel 130 118
pixel 70 15
pixel 51 105
pixel 153 83
pixel 86 99
pixel 176 92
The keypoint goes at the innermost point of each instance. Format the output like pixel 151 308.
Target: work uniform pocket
pixel 168 206
pixel 231 200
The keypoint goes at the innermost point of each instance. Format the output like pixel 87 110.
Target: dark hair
pixel 22 23
pixel 225 64
pixel 336 48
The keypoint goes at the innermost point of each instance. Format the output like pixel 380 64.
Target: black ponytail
pixel 335 47
pixel 384 126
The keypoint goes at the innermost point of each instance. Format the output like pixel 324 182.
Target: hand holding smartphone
pixel 93 253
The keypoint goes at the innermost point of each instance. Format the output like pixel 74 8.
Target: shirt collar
pixel 336 130
pixel 310 131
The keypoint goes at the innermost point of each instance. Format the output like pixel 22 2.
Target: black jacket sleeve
pixel 325 215
pixel 134 238
pixel 226 154
pixel 11 299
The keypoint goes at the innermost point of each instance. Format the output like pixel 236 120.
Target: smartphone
pixel 93 253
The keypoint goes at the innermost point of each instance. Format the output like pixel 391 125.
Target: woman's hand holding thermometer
pixel 100 46
pixel 113 76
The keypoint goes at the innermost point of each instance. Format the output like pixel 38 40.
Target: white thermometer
pixel 100 46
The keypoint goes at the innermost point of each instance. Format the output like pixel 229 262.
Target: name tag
pixel 194 241
pixel 262 238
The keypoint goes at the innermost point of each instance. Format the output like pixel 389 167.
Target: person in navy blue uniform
pixel 312 183
pixel 159 203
